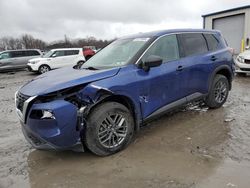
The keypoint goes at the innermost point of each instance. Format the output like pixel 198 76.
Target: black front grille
pixel 20 99
pixel 247 61
pixel 245 69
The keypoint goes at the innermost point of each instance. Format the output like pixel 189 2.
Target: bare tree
pixel 27 41
pixel 10 43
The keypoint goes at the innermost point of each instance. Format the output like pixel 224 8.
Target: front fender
pixel 94 95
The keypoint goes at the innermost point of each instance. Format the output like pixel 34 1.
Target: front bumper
pixel 59 133
pixel 32 67
pixel 241 67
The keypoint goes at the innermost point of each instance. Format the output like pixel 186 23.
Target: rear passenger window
pixel 18 54
pixel 212 42
pixel 165 47
pixel 192 44
pixel 71 52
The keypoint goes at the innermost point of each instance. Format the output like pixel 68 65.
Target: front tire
pixel 43 68
pixel 110 128
pixel 218 93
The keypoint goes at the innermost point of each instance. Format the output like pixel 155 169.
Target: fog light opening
pixel 47 114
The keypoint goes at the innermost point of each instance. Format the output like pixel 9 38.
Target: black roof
pixel 228 10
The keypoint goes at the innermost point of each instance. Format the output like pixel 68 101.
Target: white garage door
pixel 232 29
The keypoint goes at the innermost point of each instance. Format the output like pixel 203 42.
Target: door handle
pixel 179 68
pixel 213 58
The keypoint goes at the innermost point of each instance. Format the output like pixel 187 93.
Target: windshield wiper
pixel 90 68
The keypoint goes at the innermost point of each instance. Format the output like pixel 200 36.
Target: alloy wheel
pixel 113 131
pixel 220 91
pixel 44 69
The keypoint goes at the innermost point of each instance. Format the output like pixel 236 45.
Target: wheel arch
pixel 225 71
pixel 124 100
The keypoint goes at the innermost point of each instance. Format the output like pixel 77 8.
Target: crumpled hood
pixel 245 54
pixel 64 78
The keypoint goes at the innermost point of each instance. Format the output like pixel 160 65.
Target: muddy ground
pixel 193 147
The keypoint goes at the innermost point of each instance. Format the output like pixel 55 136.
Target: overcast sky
pixel 104 19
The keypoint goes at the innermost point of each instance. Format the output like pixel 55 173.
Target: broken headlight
pixel 70 94
pixel 42 114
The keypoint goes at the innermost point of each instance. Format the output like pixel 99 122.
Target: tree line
pixel 27 41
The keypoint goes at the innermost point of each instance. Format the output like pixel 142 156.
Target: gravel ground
pixel 194 147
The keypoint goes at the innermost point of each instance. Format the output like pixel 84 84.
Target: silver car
pixel 17 59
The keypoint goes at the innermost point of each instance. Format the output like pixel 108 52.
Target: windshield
pixel 48 54
pixel 116 54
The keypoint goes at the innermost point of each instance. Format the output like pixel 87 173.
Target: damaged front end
pixel 57 120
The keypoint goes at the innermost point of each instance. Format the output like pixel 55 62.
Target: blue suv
pixel 101 104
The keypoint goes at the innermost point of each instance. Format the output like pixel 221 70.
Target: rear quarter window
pixel 192 44
pixel 212 42
pixel 32 53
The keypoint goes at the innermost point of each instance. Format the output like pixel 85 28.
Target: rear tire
pixel 110 128
pixel 43 68
pixel 218 93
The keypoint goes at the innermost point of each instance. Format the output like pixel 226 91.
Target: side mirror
pixel 151 61
pixel 54 55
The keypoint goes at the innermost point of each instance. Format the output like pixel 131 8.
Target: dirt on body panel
pixel 194 147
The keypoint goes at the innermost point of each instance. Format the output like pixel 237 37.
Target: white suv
pixel 242 63
pixel 56 58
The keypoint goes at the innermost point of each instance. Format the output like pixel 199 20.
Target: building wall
pixel 208 20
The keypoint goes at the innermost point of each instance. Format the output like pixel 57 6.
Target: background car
pixel 89 51
pixel 56 58
pixel 242 63
pixel 17 59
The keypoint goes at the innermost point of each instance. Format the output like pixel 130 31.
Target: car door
pixel 57 59
pixel 194 65
pixel 18 59
pixel 71 57
pixel 24 58
pixel 160 86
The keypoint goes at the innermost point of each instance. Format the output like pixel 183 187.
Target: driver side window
pixel 58 53
pixel 5 55
pixel 165 47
